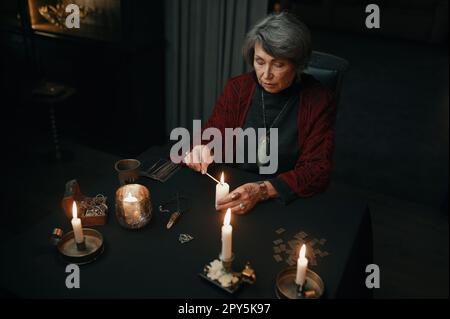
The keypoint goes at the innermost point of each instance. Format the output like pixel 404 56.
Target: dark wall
pixel 118 103
pixel 419 20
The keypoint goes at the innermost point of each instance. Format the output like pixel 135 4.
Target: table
pixel 151 263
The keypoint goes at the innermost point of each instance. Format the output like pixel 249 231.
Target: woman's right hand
pixel 199 158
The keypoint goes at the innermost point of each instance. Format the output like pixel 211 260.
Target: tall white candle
pixel 76 225
pixel 222 189
pixel 302 265
pixel 227 231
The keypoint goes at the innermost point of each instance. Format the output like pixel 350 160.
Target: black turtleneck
pixel 288 146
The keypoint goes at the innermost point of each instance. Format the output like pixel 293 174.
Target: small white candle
pixel 130 208
pixel 302 265
pixel 222 189
pixel 76 225
pixel 227 231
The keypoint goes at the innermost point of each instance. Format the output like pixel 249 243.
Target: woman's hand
pixel 242 199
pixel 199 159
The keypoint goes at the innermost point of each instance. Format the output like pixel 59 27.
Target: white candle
pixel 130 208
pixel 227 231
pixel 222 189
pixel 76 225
pixel 302 265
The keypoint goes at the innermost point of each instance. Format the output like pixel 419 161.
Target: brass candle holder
pixel 286 288
pixel 78 253
pixel 133 206
pixel 227 263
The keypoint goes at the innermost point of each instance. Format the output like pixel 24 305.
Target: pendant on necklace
pixel 263 145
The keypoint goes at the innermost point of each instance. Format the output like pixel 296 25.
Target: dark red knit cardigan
pixel 316 123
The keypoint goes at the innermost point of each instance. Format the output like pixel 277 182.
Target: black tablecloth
pixel 151 263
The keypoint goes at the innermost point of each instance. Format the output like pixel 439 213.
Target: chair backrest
pixel 329 70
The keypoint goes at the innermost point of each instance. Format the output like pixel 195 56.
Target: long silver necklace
pixel 264 141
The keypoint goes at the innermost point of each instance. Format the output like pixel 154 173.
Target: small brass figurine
pixel 248 274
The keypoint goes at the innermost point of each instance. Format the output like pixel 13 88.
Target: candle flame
pixel 74 209
pixel 222 179
pixel 302 252
pixel 226 220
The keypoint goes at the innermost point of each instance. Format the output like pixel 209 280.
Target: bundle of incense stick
pixel 162 170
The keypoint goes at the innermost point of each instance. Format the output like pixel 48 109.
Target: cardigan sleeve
pixel 312 170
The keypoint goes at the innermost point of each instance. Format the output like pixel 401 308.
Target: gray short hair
pixel 282 36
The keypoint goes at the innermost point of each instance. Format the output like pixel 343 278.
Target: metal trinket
pixel 184 238
pixel 174 217
pixel 56 236
pixel 177 212
pixel 248 274
pixel 172 220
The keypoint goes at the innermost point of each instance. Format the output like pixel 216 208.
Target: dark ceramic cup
pixel 128 170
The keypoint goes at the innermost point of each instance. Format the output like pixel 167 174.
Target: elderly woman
pixel 277 95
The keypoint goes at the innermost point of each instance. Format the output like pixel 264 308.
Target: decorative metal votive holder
pixel 286 288
pixel 133 206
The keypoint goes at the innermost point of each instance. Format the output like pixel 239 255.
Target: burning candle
pixel 131 208
pixel 227 231
pixel 302 265
pixel 222 189
pixel 76 225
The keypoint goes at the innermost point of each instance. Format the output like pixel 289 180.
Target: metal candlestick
pixel 227 264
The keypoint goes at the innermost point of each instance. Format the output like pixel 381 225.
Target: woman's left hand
pixel 241 200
